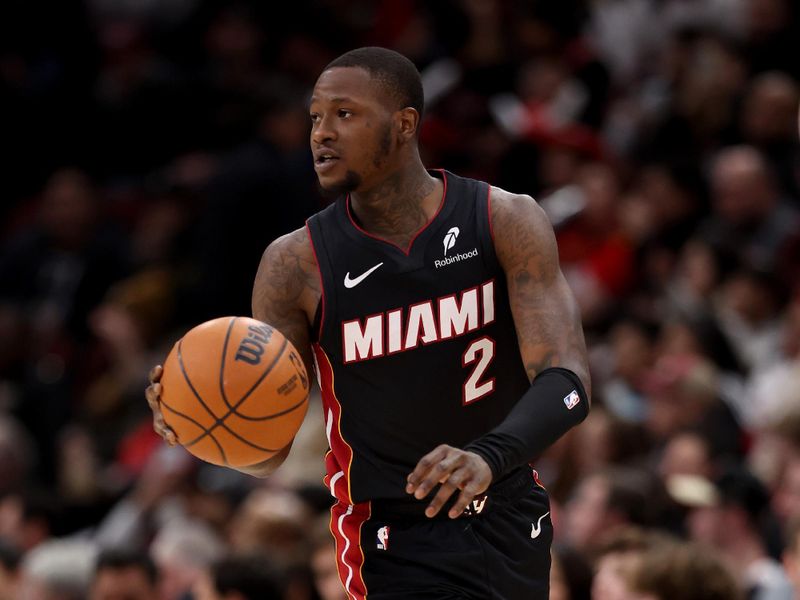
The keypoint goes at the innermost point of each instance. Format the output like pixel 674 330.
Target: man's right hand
pixel 153 395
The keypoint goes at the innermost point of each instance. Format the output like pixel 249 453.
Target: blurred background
pixel 152 149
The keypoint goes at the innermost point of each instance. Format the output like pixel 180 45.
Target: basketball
pixel 234 391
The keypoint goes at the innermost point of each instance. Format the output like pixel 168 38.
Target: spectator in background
pixel 273 522
pixel 18 455
pixel 57 570
pixel 28 519
pixel 677 570
pixel 324 562
pixel 239 578
pixel 737 524
pixel 683 392
pixel 595 255
pixel 751 215
pixel 686 453
pixel 786 496
pixel 182 551
pixel 774 390
pixel 616 560
pixel 769 122
pixel 270 520
pixel 269 180
pixel 51 275
pixel 749 308
pixel 606 502
pixel 774 448
pixel 791 556
pixel 627 359
pixel 124 575
pixel 570 575
pixel 10 558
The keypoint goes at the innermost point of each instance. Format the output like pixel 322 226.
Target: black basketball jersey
pixel 416 346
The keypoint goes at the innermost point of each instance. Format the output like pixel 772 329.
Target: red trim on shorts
pixel 407 250
pixel 345 525
pixel 340 457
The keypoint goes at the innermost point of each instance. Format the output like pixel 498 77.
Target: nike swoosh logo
pixel 351 283
pixel 536 528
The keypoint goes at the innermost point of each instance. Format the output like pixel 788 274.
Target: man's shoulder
pixel 508 208
pixel 293 245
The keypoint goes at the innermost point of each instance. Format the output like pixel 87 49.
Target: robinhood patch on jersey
pixel 399 329
pixel 449 260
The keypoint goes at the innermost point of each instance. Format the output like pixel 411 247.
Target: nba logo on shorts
pixel 572 400
pixel 383 538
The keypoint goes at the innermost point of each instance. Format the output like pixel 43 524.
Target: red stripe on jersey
pixel 345 525
pixel 340 457
pixel 321 282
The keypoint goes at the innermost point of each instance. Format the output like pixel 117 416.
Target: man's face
pixel 126 583
pixel 586 513
pixel 352 130
pixel 612 575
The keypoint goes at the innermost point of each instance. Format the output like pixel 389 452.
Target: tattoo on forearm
pixel 545 313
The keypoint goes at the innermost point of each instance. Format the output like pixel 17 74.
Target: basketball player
pixel 447 346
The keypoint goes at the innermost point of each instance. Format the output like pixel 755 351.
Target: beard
pixel 349 184
pixel 352 180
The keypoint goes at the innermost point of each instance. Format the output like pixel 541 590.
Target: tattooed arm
pixel 545 312
pixel 285 295
pixel 553 351
pixel 287 290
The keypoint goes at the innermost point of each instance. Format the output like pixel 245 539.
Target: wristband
pixel 554 404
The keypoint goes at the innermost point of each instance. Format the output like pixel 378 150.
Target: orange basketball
pixel 234 391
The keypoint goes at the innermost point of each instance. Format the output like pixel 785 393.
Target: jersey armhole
pixel 319 314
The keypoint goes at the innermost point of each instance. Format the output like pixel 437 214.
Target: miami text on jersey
pixel 427 322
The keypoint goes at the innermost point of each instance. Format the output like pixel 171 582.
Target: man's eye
pixel 345 113
pixel 314 118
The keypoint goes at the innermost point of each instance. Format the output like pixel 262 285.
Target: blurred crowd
pixel 151 151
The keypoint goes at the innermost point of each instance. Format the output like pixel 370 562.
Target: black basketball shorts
pixel 499 549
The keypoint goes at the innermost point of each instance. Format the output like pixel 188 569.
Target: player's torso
pixel 416 346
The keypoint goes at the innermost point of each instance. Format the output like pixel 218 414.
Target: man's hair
pixel 252 576
pixel 685 571
pixel 63 567
pixel 118 558
pixel 396 74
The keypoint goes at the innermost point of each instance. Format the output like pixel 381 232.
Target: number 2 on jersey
pixel 482 351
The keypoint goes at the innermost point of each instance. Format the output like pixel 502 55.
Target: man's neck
pixel 400 205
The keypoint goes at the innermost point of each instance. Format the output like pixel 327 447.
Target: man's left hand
pixel 455 469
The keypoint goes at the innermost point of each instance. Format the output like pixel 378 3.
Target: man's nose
pixel 323 131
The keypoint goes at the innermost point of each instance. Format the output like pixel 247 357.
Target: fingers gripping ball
pixel 234 391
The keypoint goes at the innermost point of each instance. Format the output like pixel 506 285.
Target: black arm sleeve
pixel 555 402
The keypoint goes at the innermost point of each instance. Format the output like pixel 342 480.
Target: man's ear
pixel 407 122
